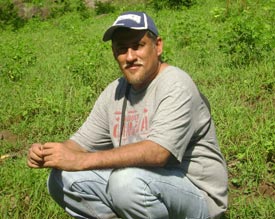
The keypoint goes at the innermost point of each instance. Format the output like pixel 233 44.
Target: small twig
pixel 10 155
pixel 5 156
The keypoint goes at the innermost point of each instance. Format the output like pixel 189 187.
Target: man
pixel 148 148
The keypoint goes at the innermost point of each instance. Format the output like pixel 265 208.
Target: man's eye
pixel 137 46
pixel 122 50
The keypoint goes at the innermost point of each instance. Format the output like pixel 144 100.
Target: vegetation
pixel 54 65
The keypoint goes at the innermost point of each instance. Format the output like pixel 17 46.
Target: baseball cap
pixel 132 20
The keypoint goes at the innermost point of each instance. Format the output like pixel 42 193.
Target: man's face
pixel 137 56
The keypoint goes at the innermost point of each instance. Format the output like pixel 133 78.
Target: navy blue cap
pixel 132 20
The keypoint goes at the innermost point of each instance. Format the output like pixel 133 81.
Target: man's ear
pixel 159 45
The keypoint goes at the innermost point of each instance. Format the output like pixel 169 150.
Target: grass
pixel 52 71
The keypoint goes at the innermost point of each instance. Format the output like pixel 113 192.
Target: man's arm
pixel 74 146
pixel 35 158
pixel 144 153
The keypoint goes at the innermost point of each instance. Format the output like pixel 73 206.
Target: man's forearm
pixel 145 153
pixel 74 146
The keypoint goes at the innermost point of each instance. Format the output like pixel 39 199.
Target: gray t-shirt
pixel 170 112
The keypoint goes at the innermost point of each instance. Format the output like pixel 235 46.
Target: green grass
pixel 52 71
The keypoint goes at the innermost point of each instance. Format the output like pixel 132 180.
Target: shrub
pixel 9 15
pixel 248 38
pixel 103 7
pixel 17 13
pixel 171 4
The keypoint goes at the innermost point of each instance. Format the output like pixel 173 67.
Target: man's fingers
pixel 35 154
pixel 50 145
pixel 35 157
pixel 36 149
pixel 52 148
pixel 46 153
pixel 34 164
pixel 50 164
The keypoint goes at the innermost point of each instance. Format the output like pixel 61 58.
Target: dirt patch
pixel 267 189
pixel 264 189
pixel 6 135
pixel 91 3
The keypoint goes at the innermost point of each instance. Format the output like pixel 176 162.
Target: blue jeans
pixel 130 193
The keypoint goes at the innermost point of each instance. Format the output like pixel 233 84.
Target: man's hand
pixel 35 157
pixel 66 156
pixel 60 156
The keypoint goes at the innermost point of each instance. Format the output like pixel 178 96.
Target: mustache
pixel 131 64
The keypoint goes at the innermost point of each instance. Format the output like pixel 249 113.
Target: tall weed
pixel 171 4
pixel 248 36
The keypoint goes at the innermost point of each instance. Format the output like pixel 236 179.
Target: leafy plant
pixel 171 4
pixel 16 58
pixel 104 7
pixel 9 16
pixel 248 37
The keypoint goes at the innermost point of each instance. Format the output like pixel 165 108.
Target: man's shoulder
pixel 116 87
pixel 172 76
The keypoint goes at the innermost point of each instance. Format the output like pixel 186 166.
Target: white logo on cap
pixel 133 17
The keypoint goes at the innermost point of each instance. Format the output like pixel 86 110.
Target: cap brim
pixel 109 33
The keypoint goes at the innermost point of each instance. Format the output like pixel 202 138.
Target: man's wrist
pixel 87 161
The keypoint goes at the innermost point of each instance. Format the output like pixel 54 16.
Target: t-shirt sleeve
pixel 172 124
pixel 94 133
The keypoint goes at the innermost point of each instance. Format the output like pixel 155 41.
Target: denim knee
pixel 55 187
pixel 59 180
pixel 60 185
pixel 125 186
pixel 132 197
pixel 82 194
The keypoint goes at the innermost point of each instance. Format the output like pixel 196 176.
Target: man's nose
pixel 130 55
